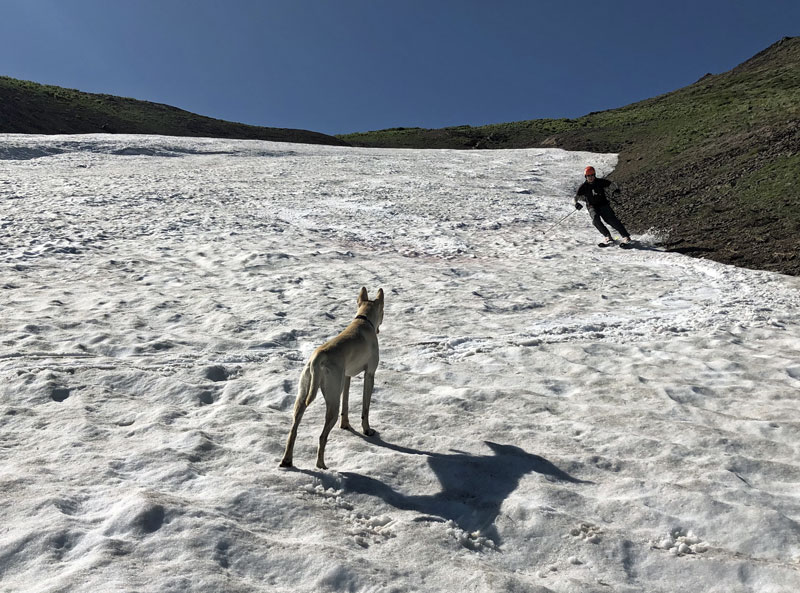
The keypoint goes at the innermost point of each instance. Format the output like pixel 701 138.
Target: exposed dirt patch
pixel 694 204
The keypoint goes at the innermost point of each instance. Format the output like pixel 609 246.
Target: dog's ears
pixel 363 297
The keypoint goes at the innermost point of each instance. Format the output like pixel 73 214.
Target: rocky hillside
pixel 31 108
pixel 713 164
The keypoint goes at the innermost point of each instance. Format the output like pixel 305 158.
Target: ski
pixel 628 245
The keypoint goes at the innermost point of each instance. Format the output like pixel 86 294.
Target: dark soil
pixel 694 206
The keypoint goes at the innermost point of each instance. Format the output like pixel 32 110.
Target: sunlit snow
pixel 551 416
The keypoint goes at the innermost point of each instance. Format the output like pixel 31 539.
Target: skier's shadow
pixel 473 487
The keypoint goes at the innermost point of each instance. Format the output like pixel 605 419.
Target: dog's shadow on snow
pixel 473 487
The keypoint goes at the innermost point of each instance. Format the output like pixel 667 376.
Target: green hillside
pixel 713 164
pixel 32 108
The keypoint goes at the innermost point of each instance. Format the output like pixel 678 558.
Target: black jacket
pixel 596 194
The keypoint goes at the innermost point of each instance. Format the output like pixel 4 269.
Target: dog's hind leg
pixel 345 404
pixel 369 383
pixel 299 410
pixel 300 405
pixel 332 386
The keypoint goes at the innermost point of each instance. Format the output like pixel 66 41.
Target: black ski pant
pixel 605 213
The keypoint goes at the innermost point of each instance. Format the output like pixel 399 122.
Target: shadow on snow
pixel 473 487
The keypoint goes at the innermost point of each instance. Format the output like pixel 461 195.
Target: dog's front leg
pixel 369 382
pixel 345 402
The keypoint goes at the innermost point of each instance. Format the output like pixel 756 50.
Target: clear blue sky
pixel 338 66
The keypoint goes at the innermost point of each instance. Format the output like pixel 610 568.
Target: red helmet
pixel 588 171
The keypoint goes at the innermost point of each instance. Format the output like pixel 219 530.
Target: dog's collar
pixel 365 318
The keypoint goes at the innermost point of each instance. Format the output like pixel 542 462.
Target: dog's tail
pixel 309 383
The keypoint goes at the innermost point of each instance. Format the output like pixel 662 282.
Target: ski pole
pixel 559 222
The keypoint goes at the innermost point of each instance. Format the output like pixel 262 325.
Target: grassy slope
pixel 714 163
pixel 32 108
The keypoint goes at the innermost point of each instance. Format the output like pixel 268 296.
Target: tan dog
pixel 330 368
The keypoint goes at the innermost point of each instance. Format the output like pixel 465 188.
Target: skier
pixel 593 193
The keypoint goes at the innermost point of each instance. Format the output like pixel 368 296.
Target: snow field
pixel 550 416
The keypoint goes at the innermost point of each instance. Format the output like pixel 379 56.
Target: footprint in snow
pixel 216 373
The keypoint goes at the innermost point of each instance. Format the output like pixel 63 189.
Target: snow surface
pixel 551 416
